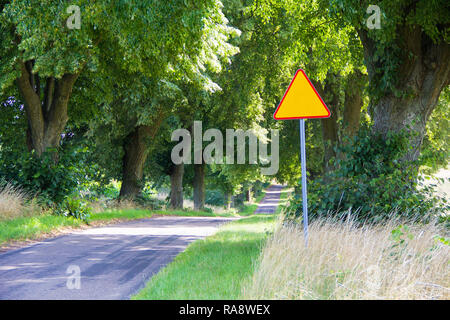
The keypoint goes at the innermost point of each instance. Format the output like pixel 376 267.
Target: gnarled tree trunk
pixel 422 74
pixel 330 137
pixel 136 147
pixel 199 186
pixel 353 103
pixel 176 186
pixel 136 151
pixel 47 118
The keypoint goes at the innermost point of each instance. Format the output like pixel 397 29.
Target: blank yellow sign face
pixel 301 101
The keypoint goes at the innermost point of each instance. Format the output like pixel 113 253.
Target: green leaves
pixel 49 179
pixel 401 234
pixel 77 208
pixel 372 184
pixel 137 36
pixel 408 29
pixel 443 240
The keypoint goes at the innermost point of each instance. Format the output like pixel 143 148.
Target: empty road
pixel 269 203
pixel 111 262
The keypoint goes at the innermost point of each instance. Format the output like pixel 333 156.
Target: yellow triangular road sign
pixel 301 101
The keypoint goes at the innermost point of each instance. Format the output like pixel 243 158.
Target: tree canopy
pixel 85 107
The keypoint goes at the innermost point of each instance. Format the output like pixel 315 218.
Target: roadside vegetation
pixel 23 217
pixel 88 116
pixel 248 208
pixel 213 268
pixel 285 197
pixel 346 260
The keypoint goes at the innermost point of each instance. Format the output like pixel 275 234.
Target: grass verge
pixel 284 197
pixel 250 208
pixel 215 267
pixel 35 227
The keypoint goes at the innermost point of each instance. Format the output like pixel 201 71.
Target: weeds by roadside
pixel 15 203
pixel 344 260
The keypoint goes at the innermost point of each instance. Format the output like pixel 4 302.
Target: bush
pixel 77 208
pixel 214 198
pixel 51 176
pixel 148 202
pixel 209 210
pixel 372 179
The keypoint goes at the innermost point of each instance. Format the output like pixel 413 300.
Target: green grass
pixel 249 209
pixel 215 267
pixel 33 227
pixel 139 214
pixel 284 196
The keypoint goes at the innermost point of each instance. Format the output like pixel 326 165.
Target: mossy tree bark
pixel 423 72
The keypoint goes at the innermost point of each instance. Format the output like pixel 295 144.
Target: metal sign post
pixel 302 101
pixel 304 190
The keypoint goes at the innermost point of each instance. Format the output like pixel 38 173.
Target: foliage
pixel 183 81
pixel 126 35
pixel 77 208
pixel 227 65
pixel 401 233
pixel 372 181
pixel 148 202
pixel 399 19
pixel 219 264
pixel 13 125
pixel 435 153
pixel 51 180
pixel 214 197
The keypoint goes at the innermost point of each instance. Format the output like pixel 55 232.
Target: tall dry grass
pixel 346 261
pixel 14 202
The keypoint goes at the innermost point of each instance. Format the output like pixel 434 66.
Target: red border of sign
pixel 310 83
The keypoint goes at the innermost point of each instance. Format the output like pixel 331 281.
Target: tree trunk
pixel 199 186
pixel 248 194
pixel 46 119
pixel 136 151
pixel 136 147
pixel 422 74
pixel 176 186
pixel 329 125
pixel 228 200
pixel 353 103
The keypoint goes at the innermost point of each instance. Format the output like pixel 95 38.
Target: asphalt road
pixel 269 203
pixel 112 262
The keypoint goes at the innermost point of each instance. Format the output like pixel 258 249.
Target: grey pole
pixel 304 191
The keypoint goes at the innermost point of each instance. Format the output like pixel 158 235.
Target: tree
pixel 331 54
pixel 353 102
pixel 436 150
pixel 44 58
pixel 407 60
